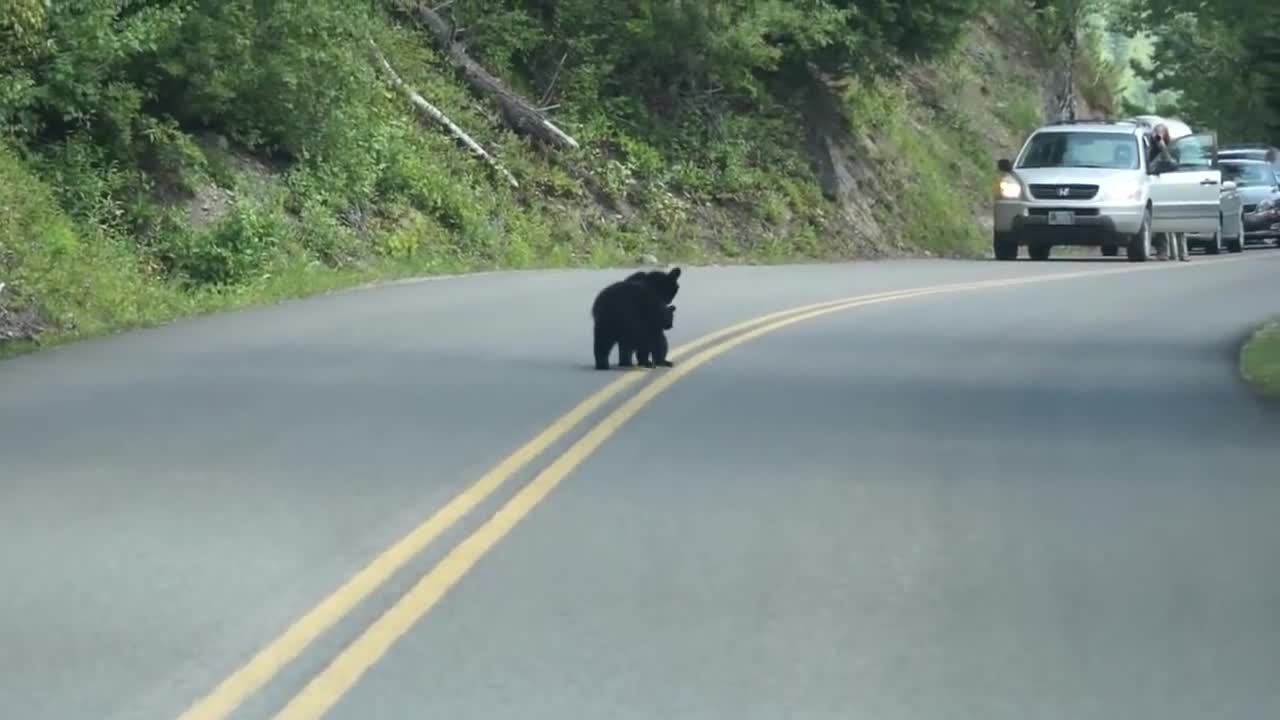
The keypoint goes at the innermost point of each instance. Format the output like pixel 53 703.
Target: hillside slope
pixel 245 165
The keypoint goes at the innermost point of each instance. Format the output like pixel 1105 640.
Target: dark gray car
pixel 1259 188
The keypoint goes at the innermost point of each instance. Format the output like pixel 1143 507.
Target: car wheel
pixel 1139 248
pixel 1110 251
pixel 1005 247
pixel 1039 251
pixel 1214 245
pixel 1236 244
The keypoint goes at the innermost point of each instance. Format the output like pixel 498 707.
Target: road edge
pixel 57 342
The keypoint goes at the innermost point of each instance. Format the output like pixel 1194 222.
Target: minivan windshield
pixel 1075 149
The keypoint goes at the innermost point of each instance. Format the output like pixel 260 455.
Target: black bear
pixel 631 314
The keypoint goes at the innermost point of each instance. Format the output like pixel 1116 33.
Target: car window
pixel 1065 148
pixel 1247 175
pixel 1192 152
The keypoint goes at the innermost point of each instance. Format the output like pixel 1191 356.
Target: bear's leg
pixel 644 353
pixel 603 346
pixel 625 353
pixel 652 347
pixel 660 352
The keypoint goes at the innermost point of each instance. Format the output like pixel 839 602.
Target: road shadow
pixel 1086 260
pixel 614 368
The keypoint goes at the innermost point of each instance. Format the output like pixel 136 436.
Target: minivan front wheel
pixel 1005 246
pixel 1139 248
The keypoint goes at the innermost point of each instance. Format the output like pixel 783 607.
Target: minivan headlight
pixel 1009 188
pixel 1130 191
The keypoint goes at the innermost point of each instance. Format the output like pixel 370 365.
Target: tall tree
pixel 1218 57
pixel 1062 25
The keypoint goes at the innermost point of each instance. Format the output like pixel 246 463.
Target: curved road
pixel 1049 498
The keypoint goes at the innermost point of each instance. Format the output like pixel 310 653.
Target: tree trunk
pixel 434 113
pixel 519 114
pixel 1070 110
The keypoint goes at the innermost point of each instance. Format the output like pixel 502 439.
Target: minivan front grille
pixel 1077 211
pixel 1063 192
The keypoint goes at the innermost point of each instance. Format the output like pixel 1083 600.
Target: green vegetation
pixel 1260 360
pixel 166 157
pixel 1218 61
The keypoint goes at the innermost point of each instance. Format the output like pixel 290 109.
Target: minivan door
pixel 1186 194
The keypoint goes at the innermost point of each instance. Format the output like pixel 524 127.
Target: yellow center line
pixel 328 687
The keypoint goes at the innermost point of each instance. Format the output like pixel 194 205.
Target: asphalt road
pixel 1049 500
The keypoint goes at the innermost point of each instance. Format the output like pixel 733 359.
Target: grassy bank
pixel 227 157
pixel 1260 360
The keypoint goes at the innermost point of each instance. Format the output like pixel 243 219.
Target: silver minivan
pixel 1088 183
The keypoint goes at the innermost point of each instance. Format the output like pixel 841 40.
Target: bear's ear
pixel 674 273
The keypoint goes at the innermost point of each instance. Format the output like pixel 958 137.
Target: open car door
pixel 1186 193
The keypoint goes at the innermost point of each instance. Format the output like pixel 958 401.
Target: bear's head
pixel 666 284
pixel 669 317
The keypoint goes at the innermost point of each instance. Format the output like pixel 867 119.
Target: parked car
pixel 1259 189
pixel 1251 151
pixel 1088 183
pixel 1235 202
pixel 1265 220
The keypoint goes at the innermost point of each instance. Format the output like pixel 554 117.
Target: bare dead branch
pixel 434 113
pixel 554 76
pixel 517 113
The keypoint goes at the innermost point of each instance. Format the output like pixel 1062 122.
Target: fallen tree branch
pixel 434 113
pixel 554 77
pixel 518 113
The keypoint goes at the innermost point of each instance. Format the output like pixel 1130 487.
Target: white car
pixel 1088 183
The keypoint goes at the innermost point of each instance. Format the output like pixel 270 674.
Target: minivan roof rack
pixel 1091 121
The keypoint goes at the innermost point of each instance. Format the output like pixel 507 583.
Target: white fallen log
pixel 519 114
pixel 434 113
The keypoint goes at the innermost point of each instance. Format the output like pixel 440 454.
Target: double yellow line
pixel 328 687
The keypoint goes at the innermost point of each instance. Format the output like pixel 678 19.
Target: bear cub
pixel 659 353
pixel 632 314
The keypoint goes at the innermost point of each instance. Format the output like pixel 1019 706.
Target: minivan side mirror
pixel 1003 165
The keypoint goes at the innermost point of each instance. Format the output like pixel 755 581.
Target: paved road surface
pixel 1052 500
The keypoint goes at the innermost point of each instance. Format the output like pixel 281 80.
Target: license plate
pixel 1062 218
